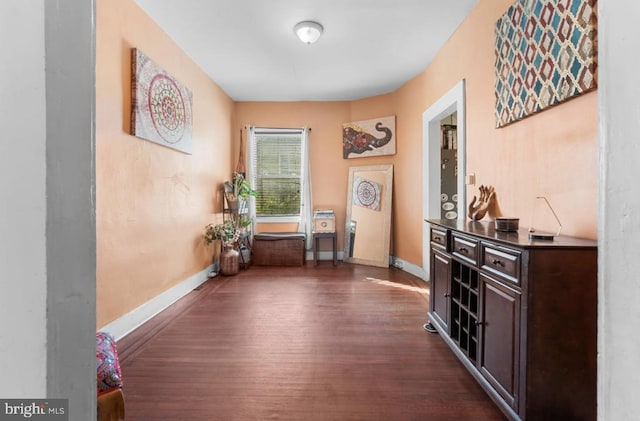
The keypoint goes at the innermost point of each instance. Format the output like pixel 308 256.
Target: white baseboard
pixel 408 267
pixel 124 325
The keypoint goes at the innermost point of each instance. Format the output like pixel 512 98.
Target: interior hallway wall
pixel 619 212
pixel 152 201
pixel 23 223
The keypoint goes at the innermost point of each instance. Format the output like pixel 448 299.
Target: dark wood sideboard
pixel 520 314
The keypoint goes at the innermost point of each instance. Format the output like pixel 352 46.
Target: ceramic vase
pixel 229 260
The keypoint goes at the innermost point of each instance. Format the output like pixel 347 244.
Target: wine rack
pixel 464 309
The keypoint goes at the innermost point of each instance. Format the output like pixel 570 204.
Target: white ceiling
pixel 369 47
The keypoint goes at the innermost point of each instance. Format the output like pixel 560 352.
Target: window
pixel 277 173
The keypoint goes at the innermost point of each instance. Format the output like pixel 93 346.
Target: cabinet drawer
pixel 465 248
pixel 439 237
pixel 501 261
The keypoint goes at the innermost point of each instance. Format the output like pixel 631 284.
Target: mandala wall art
pixel 366 193
pixel 546 53
pixel 161 107
pixel 369 138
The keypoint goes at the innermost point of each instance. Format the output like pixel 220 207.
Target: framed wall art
pixel 161 106
pixel 369 138
pixel 546 53
pixel 366 193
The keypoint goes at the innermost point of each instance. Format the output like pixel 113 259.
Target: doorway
pixel 451 103
pixel 449 167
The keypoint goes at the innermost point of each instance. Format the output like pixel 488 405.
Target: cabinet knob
pixel 463 250
pixel 497 262
pixel 479 323
pixel 437 238
pixel 446 294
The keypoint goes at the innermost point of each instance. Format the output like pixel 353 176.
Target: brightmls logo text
pixel 27 411
pixel 34 409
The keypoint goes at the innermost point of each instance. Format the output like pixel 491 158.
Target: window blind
pixel 277 171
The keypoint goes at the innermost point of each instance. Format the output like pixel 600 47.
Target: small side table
pixel 316 241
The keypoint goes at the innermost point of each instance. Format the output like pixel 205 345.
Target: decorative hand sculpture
pixel 478 210
pixel 488 203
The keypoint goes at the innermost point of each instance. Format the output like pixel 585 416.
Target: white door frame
pixel 452 101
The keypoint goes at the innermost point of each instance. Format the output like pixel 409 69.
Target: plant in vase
pixel 227 233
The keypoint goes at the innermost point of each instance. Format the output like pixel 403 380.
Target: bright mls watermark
pixel 34 409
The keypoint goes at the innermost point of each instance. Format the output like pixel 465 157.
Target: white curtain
pixel 306 205
pixel 249 152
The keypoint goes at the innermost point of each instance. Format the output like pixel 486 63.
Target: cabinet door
pixel 439 288
pixel 499 338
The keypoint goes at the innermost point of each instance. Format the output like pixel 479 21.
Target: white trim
pixel 306 195
pixel 124 325
pixel 452 101
pixel 408 267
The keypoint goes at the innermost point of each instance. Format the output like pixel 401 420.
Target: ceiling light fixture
pixel 308 31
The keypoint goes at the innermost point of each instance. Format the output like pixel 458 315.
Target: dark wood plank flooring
pixel 309 343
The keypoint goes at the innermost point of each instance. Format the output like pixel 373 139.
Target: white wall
pixel 23 209
pixel 47 211
pixel 619 211
pixel 71 227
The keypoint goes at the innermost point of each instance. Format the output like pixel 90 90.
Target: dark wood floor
pixel 323 343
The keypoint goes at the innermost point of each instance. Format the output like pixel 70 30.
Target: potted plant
pixel 227 234
pixel 243 223
pixel 236 189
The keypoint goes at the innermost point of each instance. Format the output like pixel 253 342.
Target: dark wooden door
pixel 439 288
pixel 499 338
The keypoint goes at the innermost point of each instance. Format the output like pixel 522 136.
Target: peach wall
pixel 276 227
pixel 553 154
pixel 329 172
pixel 152 202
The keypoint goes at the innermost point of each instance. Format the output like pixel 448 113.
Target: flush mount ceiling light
pixel 308 31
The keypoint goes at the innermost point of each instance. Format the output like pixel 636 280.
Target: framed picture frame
pixel 372 137
pixel 161 106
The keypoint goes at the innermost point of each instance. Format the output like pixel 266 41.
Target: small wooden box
pixel 324 221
